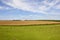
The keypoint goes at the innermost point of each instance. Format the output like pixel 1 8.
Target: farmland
pixel 27 22
pixel 36 31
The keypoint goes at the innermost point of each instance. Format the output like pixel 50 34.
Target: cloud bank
pixel 39 6
pixel 49 8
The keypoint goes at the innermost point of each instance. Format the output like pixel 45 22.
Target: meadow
pixel 30 32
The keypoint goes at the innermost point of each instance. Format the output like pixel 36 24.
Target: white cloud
pixel 57 6
pixel 40 7
pixel 6 8
pixel 1 7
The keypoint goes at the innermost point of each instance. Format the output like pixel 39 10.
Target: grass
pixel 31 32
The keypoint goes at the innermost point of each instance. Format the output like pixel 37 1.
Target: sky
pixel 29 9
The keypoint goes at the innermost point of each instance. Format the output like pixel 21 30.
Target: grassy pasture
pixel 30 32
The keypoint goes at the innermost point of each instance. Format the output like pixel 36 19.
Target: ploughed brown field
pixel 27 22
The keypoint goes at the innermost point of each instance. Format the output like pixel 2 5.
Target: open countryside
pixel 29 30
pixel 27 22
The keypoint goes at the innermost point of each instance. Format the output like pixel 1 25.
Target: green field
pixel 31 32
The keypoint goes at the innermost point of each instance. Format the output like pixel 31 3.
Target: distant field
pixel 29 22
pixel 30 32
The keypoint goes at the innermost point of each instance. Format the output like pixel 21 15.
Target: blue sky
pixel 29 9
